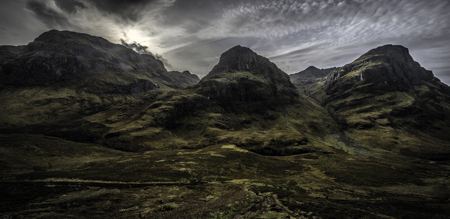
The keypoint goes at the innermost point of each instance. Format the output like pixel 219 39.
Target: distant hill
pixel 309 75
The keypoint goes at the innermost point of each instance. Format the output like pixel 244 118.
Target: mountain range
pixel 359 130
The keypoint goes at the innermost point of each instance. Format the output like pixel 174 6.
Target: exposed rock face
pixel 388 67
pixel 243 75
pixel 309 75
pixel 64 56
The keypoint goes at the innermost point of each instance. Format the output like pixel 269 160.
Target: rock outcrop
pixel 387 68
pixel 243 75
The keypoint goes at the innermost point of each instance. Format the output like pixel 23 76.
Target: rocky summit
pixel 82 60
pixel 388 67
pixel 91 129
pixel 243 75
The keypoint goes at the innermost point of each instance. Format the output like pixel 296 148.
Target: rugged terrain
pixel 90 129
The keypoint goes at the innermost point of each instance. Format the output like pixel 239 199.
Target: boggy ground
pixel 47 177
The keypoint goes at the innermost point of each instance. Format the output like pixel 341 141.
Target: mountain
pixel 62 58
pixel 243 75
pixel 387 67
pixel 94 130
pixel 52 85
pixel 242 93
pixel 385 100
pixel 309 75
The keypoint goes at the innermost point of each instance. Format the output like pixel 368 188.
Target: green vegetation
pixel 220 181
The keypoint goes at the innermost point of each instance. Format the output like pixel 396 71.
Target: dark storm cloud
pixel 129 10
pixel 48 15
pixel 70 6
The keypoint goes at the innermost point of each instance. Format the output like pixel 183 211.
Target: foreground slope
pixel 46 177
pixel 386 100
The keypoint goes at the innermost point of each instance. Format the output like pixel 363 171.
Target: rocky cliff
pixel 243 75
pixel 387 68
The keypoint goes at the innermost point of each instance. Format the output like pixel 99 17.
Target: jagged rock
pixel 387 68
pixel 309 75
pixel 243 75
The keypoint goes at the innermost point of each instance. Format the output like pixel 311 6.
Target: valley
pixel 96 130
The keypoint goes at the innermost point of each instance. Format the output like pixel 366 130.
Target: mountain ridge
pixel 57 57
pixel 309 75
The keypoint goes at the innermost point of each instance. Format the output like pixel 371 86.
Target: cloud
pixel 70 6
pixel 141 49
pixel 130 10
pixel 47 13
pixel 136 47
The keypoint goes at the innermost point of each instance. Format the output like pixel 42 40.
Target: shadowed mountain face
pixel 243 75
pixel 84 61
pixel 309 75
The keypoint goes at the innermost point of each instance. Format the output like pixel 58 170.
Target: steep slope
pixel 386 100
pixel 243 75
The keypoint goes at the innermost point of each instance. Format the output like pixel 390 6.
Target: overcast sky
pixel 294 34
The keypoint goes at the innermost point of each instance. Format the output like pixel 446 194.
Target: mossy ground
pixel 218 181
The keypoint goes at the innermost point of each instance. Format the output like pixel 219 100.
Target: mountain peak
pixel 241 74
pixel 387 68
pixel 398 52
pixel 309 75
pixel 239 59
pixel 311 68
